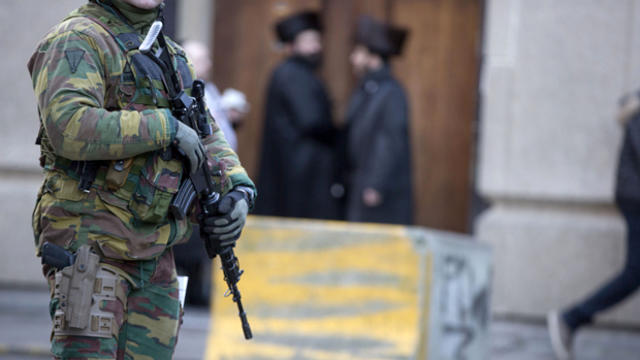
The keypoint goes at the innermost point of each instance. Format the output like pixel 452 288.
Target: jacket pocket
pixel 62 187
pixel 158 183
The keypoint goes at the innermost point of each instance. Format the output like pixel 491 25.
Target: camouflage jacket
pixel 100 99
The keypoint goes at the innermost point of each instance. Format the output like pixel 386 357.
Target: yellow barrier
pixel 326 290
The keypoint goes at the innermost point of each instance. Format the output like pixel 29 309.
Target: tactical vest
pixel 145 184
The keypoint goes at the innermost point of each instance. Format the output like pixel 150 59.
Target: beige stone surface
pixel 550 82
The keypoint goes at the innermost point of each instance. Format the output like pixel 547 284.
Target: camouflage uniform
pixel 100 99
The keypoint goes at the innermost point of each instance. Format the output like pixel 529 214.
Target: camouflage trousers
pixel 146 314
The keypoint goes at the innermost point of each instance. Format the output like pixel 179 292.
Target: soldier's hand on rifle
pixel 188 142
pixel 225 227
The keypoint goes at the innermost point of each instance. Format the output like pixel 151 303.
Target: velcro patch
pixel 74 58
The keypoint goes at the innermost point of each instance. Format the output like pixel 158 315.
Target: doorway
pixel 439 69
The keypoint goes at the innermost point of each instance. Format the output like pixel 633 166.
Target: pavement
pixel 25 327
pixel 525 340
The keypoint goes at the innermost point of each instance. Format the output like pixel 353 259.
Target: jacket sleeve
pixel 68 73
pixel 222 157
pixel 390 142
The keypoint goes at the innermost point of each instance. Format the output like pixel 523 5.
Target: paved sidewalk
pixel 526 341
pixel 25 326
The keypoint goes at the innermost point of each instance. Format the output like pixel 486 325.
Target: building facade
pixel 552 73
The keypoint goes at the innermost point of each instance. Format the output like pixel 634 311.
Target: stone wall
pixel 552 76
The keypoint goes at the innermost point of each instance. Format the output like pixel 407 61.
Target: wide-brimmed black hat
pixel 289 27
pixel 380 38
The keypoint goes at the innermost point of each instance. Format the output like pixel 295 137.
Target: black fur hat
pixel 383 39
pixel 289 27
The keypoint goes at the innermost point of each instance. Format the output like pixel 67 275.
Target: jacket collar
pixel 380 74
pixel 304 62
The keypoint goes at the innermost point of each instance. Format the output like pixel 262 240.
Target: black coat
pixel 377 150
pixel 628 172
pixel 296 169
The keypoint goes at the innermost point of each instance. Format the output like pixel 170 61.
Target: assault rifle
pixel 191 111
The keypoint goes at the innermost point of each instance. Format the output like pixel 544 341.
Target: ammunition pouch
pixel 79 291
pixel 118 173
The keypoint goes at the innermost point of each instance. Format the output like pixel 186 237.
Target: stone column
pixel 552 76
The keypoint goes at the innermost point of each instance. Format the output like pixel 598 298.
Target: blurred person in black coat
pixel 563 325
pixel 377 151
pixel 296 169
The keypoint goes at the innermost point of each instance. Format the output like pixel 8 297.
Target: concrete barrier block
pixel 333 290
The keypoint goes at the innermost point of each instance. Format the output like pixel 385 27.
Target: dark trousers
pixel 620 286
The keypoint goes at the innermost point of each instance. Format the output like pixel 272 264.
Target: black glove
pixel 224 228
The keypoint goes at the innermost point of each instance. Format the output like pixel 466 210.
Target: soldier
pixel 296 169
pixel 377 152
pixel 108 143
